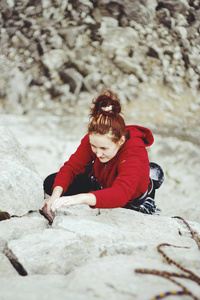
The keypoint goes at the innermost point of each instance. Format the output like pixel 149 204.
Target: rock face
pixel 57 45
pixel 85 255
pixel 20 186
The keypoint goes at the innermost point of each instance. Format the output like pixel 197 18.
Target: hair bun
pixel 106 103
pixel 106 118
pixel 107 108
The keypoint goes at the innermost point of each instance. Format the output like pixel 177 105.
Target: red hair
pixel 106 117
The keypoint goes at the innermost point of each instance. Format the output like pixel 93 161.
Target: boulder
pixel 92 81
pixel 70 34
pixel 52 252
pixel 54 59
pixel 72 77
pixel 17 88
pixel 20 185
pixel 18 227
pixel 174 6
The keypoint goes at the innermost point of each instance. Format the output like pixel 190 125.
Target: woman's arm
pixel 76 165
pixel 85 198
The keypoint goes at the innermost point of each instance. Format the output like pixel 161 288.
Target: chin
pixel 104 160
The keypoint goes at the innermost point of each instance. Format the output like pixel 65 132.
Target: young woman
pixel 110 168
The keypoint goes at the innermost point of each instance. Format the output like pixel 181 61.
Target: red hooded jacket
pixel 124 177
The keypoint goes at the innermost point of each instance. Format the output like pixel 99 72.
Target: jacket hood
pixel 140 136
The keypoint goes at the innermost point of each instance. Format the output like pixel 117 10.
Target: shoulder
pixel 85 139
pixel 139 136
pixel 85 142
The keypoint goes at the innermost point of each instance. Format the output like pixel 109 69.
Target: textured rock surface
pixel 89 256
pixel 20 185
pixel 84 255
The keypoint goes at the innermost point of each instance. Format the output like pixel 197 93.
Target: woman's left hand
pixel 89 199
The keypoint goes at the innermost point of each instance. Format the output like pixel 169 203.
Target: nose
pixel 98 153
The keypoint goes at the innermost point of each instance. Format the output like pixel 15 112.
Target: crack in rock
pixel 14 261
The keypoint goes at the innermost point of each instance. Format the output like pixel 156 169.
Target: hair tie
pixel 107 108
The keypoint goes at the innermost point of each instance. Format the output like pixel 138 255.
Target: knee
pixel 48 183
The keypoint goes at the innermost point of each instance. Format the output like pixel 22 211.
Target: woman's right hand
pixel 57 192
pixel 47 209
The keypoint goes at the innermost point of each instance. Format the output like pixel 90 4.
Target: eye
pixel 103 148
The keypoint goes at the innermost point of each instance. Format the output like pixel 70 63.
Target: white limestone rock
pixel 51 252
pixel 79 236
pixel 36 287
pixel 21 187
pixel 6 269
pixel 89 256
pixel 54 59
pixel 17 227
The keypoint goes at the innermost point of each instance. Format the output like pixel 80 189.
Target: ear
pixel 122 140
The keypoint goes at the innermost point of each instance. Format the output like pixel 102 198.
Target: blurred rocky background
pixel 56 54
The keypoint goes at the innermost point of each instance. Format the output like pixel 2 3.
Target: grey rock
pixel 17 93
pixel 73 78
pixel 6 269
pixel 92 81
pixel 58 252
pixel 54 59
pixel 128 66
pixel 20 184
pixel 70 34
pixel 38 287
pixel 181 31
pixel 19 40
pixel 153 52
pixel 174 6
pixel 19 227
pixel 164 17
pixel 119 41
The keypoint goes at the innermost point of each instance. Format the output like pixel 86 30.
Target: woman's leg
pixel 145 203
pixel 81 184
pixel 48 183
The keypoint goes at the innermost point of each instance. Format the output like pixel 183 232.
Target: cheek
pixel 113 151
pixel 93 149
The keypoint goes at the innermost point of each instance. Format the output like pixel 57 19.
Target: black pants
pixel 81 184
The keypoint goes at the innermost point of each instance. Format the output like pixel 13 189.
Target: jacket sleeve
pixel 76 164
pixel 131 181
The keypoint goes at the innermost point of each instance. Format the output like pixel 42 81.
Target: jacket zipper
pixel 105 167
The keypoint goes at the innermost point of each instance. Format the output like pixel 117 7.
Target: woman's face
pixel 104 148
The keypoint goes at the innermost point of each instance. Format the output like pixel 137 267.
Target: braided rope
pixel 194 234
pixel 192 276
pixel 168 275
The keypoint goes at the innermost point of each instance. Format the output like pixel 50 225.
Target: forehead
pixel 100 140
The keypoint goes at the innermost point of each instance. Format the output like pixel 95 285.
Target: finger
pixel 49 218
pixel 58 203
pixel 47 213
